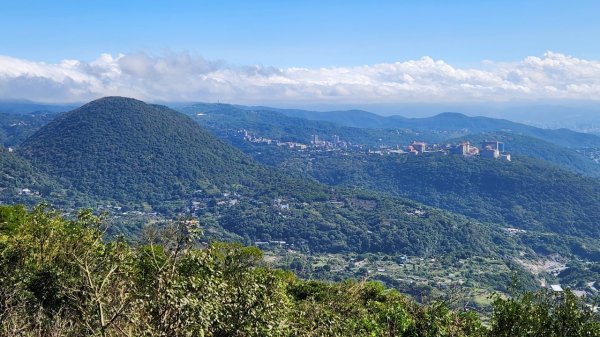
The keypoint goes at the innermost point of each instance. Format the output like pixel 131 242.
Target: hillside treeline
pixel 62 277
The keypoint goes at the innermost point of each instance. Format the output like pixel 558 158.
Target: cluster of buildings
pixel 335 142
pixel 254 139
pixel 488 149
pixel 593 154
pixel 315 142
pixel 269 141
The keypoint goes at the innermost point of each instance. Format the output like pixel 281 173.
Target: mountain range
pixel 559 147
pixel 447 121
pixel 127 153
pixel 158 162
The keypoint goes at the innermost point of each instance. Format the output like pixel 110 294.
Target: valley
pixel 300 168
pixel 325 200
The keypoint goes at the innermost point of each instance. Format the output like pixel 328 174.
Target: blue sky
pixel 299 53
pixel 302 33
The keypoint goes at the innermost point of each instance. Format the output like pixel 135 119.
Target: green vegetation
pixel 514 193
pixel 60 277
pixel 449 122
pixel 521 145
pixel 364 223
pixel 222 119
pixel 359 127
pixel 125 150
pixel 143 163
pixel 22 183
pixel 460 282
pixel 100 147
pixel 524 193
pixel 15 128
pixel 133 153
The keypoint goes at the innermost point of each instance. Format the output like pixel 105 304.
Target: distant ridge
pixel 353 118
pixel 25 106
pixel 446 121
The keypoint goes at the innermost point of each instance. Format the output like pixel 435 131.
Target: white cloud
pixel 182 77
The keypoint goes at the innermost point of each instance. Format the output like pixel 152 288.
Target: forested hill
pixel 524 193
pixel 223 118
pixel 536 148
pixel 20 182
pixel 123 150
pixel 126 149
pixel 15 128
pixel 136 159
pixel 447 121
pixel 352 118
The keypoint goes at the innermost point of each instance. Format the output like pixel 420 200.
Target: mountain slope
pixel 224 118
pixel 15 128
pixel 120 151
pixel 20 182
pixel 521 145
pixel 352 118
pixel 524 193
pixel 447 121
pixel 127 150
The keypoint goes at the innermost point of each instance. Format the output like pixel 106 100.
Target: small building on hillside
pixel 489 152
pixel 420 147
pixel 464 149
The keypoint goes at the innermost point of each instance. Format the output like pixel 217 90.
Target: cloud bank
pixel 183 77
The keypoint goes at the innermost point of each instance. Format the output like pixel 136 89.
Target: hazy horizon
pixel 554 115
pixel 413 59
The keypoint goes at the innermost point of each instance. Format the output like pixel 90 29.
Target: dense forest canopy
pixel 125 149
pixel 60 277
